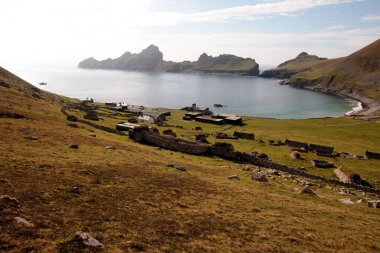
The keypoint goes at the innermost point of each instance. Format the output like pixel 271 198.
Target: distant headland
pixel 151 59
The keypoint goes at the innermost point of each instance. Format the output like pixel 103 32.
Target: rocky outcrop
pixel 146 60
pixel 291 67
pixel 151 59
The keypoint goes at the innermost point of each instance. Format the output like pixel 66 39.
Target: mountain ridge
pixel 151 59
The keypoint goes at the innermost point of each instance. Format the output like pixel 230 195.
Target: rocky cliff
pixel 146 60
pixel 356 76
pixel 151 58
pixel 302 62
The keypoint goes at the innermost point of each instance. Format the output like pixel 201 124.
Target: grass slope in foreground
pixel 130 200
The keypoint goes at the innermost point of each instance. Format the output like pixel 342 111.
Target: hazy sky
pixel 270 31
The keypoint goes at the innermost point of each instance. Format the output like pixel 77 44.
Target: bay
pixel 249 96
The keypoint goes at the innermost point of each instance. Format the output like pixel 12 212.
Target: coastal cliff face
pixel 145 60
pixel 302 62
pixel 151 59
pixel 356 76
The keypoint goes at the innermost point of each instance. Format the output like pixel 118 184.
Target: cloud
pixel 248 12
pixel 372 18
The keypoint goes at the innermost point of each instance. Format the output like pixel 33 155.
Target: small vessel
pixel 218 105
pixel 42 83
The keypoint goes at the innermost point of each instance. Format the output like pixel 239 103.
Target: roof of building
pixel 228 116
pixel 209 118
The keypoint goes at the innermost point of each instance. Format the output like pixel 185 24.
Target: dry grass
pixel 129 200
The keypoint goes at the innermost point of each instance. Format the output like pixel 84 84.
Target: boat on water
pixel 42 83
pixel 218 105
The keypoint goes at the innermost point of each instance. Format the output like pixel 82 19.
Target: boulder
pixel 87 240
pixel 74 146
pixel 234 177
pixel 110 147
pixel 8 202
pixel 295 155
pixel 198 128
pixel 307 190
pixel 92 134
pixel 74 125
pixel 71 118
pixel 201 138
pixel 23 222
pixel 31 137
pixel 169 132
pixel 178 167
pixel 346 201
pixel 260 177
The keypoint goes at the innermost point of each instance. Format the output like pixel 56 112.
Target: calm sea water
pixel 251 96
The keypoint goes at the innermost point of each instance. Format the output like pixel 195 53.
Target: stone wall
pixel 296 144
pixel 248 136
pixel 168 142
pixel 321 149
pixel 103 128
pixel 226 151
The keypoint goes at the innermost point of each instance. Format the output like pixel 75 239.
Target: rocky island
pixel 151 59
pixel 355 76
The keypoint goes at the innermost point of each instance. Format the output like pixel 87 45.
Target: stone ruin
pixel 347 177
pixel 225 150
pixel 248 136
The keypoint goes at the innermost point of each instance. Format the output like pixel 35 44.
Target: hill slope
pixel 129 200
pixel 291 67
pixel 151 58
pixel 356 76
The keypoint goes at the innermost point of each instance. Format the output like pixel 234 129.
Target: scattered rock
pixel 110 147
pixel 305 182
pixel 178 167
pixel 346 201
pixel 373 204
pixel 234 177
pixel 259 176
pixel 74 125
pixel 307 190
pixel 23 222
pixel 31 137
pixel 74 146
pixel 273 172
pixel 87 240
pixel 345 191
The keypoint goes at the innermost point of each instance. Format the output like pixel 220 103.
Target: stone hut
pixel 321 150
pixel 372 155
pixel 297 145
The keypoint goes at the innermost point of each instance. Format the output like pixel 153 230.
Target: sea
pixel 245 96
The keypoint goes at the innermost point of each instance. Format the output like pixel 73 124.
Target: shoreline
pixel 365 107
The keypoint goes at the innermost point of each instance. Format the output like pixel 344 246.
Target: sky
pixel 269 31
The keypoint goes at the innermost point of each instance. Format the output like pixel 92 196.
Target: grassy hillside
pixel 357 75
pixel 131 201
pixel 302 62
